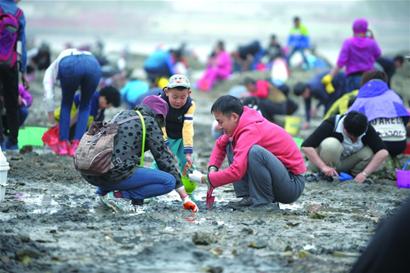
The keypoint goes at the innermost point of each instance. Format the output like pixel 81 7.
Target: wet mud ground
pixel 50 221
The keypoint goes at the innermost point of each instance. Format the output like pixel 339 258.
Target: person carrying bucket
pixel 179 125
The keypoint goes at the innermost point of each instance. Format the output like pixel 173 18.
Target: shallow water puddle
pixel 6 216
pixel 293 206
pixel 39 203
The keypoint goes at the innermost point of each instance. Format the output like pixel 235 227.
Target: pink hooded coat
pixel 253 129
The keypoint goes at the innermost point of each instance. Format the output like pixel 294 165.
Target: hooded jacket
pixel 128 146
pixel 253 129
pixel 358 55
pixel 376 100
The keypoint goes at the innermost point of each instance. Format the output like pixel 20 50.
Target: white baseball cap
pixel 178 80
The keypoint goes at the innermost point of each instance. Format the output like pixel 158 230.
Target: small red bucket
pixel 403 176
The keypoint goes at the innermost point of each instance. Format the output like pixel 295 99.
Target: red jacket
pixel 254 129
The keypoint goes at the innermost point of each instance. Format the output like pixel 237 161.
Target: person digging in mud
pixel 266 165
pixel 384 109
pixel 74 69
pixel 101 100
pixel 345 143
pixel 126 185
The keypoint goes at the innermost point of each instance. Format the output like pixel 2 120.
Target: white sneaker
pixel 117 204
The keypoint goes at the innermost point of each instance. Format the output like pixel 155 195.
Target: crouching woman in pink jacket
pixel 266 166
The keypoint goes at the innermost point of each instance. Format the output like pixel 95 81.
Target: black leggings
pixel 395 147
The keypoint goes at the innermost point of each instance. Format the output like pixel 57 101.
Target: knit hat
pixel 178 80
pixel 360 25
pixel 156 104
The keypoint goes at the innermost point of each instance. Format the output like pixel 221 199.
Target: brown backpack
pixel 95 150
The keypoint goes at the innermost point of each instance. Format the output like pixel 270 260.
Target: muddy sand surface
pixel 50 221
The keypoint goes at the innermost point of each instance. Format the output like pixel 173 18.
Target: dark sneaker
pixel 272 207
pixel 311 177
pixel 137 202
pixel 243 203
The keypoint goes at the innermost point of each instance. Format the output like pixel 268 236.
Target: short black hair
pixel 249 80
pixel 112 95
pixel 299 88
pixel 285 89
pixel 355 123
pixel 373 75
pixel 221 44
pixel 227 105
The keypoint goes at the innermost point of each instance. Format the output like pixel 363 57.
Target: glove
pixel 198 177
pixel 327 81
pixel 189 204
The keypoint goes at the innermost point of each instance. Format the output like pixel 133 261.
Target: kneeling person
pixel 266 165
pixel 126 181
pixel 345 143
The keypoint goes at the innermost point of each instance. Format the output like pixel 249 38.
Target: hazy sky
pixel 140 25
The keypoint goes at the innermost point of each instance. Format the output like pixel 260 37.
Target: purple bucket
pixel 403 176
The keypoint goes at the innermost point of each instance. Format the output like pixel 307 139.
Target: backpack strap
pixel 143 138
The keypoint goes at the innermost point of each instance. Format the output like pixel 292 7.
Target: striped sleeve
pixel 188 129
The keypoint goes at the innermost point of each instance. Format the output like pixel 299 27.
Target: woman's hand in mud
pixel 360 178
pixel 189 204
pixel 329 171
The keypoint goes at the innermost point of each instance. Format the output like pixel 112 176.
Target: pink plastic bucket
pixel 403 176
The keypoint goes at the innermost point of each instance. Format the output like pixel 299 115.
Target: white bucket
pixel 4 168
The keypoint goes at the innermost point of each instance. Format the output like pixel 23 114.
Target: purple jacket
pixel 376 100
pixel 25 96
pixel 358 54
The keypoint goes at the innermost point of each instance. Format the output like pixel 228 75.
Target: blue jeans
pixel 353 82
pixel 23 114
pixel 143 183
pixel 302 53
pixel 77 72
